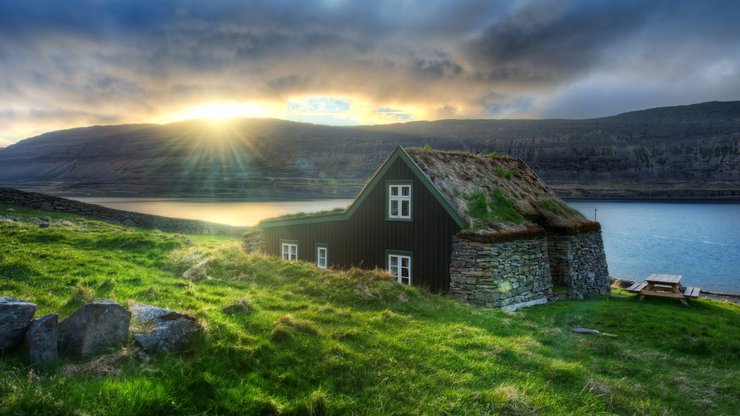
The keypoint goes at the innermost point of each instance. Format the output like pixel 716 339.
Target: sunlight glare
pixel 225 110
pixel 319 109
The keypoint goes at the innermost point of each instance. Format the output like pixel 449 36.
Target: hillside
pixel 288 338
pixel 685 151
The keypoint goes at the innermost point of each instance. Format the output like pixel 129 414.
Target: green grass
pixel 503 172
pixel 559 288
pixel 493 208
pixel 557 207
pixel 287 338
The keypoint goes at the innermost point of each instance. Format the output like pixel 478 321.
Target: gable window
pixel 322 256
pixel 399 201
pixel 289 251
pixel 399 265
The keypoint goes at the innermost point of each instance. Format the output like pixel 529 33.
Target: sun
pixel 222 111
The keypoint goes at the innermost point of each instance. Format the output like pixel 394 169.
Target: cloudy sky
pixel 74 63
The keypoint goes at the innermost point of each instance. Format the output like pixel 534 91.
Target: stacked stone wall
pixel 254 241
pixel 500 274
pixel 51 203
pixel 579 262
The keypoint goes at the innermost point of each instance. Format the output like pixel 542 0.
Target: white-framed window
pixel 289 251
pixel 399 201
pixel 322 256
pixel 399 265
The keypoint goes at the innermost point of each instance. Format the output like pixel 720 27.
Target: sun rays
pixel 220 111
pixel 318 109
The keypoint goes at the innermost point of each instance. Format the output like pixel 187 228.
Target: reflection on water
pixel 223 212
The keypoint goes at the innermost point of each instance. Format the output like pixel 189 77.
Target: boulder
pixel 162 329
pixel 41 340
pixel 15 315
pixel 94 327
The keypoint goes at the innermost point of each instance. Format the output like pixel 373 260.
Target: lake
pixel 220 211
pixel 700 241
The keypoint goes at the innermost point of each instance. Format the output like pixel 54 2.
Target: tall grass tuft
pixel 83 293
pixel 317 403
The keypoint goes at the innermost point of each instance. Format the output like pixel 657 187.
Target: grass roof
pixel 497 195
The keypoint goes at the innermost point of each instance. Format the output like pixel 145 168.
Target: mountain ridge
pixel 681 151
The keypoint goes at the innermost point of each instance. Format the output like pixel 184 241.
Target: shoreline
pixel 263 195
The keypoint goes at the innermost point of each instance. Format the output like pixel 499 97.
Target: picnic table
pixel 665 285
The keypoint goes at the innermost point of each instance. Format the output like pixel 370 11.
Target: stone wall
pixel 254 241
pixel 579 262
pixel 51 203
pixel 500 274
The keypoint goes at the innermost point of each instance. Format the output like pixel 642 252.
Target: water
pixel 700 241
pixel 223 212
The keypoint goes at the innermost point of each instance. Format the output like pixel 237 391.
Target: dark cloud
pixel 549 41
pixel 553 41
pixel 437 67
pixel 446 58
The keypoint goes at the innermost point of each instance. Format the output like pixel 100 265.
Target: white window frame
pixel 289 251
pixel 399 199
pixel 319 257
pixel 396 267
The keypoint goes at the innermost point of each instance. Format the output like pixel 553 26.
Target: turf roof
pixel 464 179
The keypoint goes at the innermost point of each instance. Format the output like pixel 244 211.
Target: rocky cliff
pixel 686 151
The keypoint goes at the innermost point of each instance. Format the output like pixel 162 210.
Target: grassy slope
pixel 286 337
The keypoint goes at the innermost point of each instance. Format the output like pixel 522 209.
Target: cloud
pixel 550 41
pixel 87 61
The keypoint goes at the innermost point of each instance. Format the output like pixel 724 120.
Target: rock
pixel 41 340
pixel 15 315
pixel 94 327
pixel 44 225
pixel 46 206
pixel 146 342
pixel 582 330
pixel 163 329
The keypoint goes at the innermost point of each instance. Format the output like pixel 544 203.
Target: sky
pixel 76 63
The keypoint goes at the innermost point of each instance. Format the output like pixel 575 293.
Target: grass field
pixel 287 338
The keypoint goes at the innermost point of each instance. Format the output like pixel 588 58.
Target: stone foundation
pixel 500 274
pixel 579 262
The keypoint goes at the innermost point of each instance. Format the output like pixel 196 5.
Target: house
pixel 482 228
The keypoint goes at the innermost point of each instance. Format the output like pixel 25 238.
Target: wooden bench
pixel 636 287
pixel 692 292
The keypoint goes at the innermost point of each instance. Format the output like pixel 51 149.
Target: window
pixel 289 251
pixel 399 201
pixel 322 256
pixel 400 266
